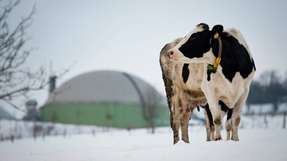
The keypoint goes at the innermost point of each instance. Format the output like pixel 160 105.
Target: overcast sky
pixel 127 35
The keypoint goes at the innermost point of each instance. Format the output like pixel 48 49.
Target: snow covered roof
pixel 4 114
pixel 103 86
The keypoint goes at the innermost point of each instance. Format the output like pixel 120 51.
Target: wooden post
pixel 284 120
pixel 265 121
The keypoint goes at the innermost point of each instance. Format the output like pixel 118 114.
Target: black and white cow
pixel 183 89
pixel 228 70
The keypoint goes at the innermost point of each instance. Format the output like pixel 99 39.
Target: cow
pixel 228 70
pixel 182 99
pixel 183 89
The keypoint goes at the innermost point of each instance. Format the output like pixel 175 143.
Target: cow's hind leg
pixel 175 125
pixel 184 124
pixel 175 118
pixel 175 128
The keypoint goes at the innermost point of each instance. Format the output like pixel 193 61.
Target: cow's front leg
pixel 228 124
pixel 184 124
pixel 214 109
pixel 235 121
pixel 235 124
pixel 208 123
pixel 217 126
pixel 216 114
pixel 228 127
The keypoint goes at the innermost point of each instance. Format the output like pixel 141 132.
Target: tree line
pixel 269 88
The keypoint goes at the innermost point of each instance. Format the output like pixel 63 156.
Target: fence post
pixel 284 120
pixel 265 121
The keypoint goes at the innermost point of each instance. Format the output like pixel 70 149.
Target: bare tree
pixel 270 88
pixel 16 80
pixel 275 90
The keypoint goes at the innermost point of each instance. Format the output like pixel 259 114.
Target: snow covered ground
pixel 256 144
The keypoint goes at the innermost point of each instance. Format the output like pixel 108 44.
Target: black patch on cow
pixel 197 44
pixel 229 113
pixel 226 109
pixel 198 108
pixel 223 106
pixel 209 115
pixel 235 57
pixel 185 73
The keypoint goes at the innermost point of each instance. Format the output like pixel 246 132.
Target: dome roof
pixel 104 86
pixel 4 114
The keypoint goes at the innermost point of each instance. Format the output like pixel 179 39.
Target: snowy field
pixel 256 144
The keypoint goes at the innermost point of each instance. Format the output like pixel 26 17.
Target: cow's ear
pixel 203 25
pixel 217 29
pixel 215 40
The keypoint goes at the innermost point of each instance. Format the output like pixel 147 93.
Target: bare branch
pixel 16 81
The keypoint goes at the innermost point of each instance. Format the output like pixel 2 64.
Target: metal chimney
pixel 52 83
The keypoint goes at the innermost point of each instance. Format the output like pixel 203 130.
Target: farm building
pixel 105 98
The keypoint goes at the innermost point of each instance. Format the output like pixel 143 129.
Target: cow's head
pixel 196 46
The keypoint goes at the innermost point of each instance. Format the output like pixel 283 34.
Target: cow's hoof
pixel 228 138
pixel 175 141
pixel 217 138
pixel 185 140
pixel 235 138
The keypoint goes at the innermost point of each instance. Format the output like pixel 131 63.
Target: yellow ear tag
pixel 217 62
pixel 216 35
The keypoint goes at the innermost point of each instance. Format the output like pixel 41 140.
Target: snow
pixel 265 108
pixel 282 107
pixel 22 129
pixel 256 144
pixel 262 108
pixel 264 121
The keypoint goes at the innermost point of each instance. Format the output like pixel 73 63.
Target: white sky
pixel 127 35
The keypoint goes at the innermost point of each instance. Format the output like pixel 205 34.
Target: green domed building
pixel 106 98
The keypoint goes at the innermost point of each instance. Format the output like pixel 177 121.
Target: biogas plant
pixel 105 98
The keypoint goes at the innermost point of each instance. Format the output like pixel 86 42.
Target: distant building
pixel 105 98
pixel 5 115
